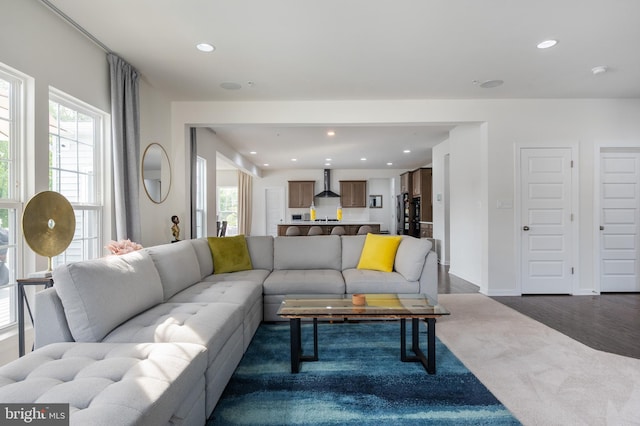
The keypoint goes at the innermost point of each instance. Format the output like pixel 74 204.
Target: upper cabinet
pixel 422 188
pixel 405 183
pixel 301 193
pixel 353 193
pixel 420 179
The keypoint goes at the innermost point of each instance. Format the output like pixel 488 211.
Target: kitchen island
pixel 351 228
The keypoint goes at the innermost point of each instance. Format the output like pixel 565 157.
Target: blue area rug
pixel 359 380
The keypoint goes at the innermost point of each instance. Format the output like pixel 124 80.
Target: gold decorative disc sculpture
pixel 48 224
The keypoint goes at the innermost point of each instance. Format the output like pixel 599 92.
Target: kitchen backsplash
pixel 326 208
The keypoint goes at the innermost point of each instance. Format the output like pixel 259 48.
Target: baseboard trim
pixel 498 293
pixel 462 276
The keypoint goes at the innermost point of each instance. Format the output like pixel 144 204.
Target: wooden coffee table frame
pixel 428 361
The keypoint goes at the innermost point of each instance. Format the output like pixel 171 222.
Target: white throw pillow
pixel 98 295
pixel 410 257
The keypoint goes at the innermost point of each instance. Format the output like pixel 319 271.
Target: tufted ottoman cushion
pixel 255 275
pixel 243 293
pixel 217 326
pixel 246 294
pixel 112 384
pixel 207 324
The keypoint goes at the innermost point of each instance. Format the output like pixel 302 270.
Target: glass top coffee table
pixel 415 307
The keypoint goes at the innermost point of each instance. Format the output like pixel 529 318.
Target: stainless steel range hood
pixel 327 193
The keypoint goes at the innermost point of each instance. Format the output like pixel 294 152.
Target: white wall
pixel 466 200
pixel 440 213
pixel 209 146
pixel 386 215
pixel 586 122
pixel 155 126
pixel 227 178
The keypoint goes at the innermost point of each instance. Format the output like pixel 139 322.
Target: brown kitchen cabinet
pixel 353 193
pixel 421 180
pixel 301 193
pixel 422 188
pixel 405 183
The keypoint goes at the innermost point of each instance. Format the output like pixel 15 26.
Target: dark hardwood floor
pixel 607 322
pixel 449 284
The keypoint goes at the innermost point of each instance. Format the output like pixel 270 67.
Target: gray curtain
pixel 125 131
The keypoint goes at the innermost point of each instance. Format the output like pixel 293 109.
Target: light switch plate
pixel 504 204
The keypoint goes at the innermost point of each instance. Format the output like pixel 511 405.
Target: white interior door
pixel 619 216
pixel 546 216
pixel 274 206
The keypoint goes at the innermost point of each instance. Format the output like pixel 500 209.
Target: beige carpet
pixel 543 376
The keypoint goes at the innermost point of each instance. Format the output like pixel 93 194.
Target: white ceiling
pixel 311 147
pixel 365 50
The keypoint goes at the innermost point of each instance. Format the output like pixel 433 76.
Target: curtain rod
pixel 76 25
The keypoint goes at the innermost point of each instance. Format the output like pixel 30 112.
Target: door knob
pixel 525 228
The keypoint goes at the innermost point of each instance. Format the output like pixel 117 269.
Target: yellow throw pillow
pixel 379 252
pixel 230 254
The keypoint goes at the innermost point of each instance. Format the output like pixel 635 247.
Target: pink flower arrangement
pixel 122 247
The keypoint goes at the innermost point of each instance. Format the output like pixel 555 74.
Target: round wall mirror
pixel 156 173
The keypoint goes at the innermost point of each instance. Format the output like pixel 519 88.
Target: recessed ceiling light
pixel 294 159
pixel 547 44
pixel 363 159
pixel 327 164
pixel 599 70
pixel 230 86
pixel 331 133
pixel 205 47
pixel 266 164
pixel 407 151
pixel 490 84
pixel 389 164
pixel 253 153
pixel 327 159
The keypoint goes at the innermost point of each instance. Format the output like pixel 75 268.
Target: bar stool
pixel 223 229
pixel 338 230
pixel 364 230
pixel 292 231
pixel 315 230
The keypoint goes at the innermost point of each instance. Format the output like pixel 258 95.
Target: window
pixel 11 122
pixel 228 207
pixel 201 197
pixel 75 156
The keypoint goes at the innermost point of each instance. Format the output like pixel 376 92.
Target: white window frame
pixel 201 197
pixel 230 231
pixel 99 162
pixel 13 202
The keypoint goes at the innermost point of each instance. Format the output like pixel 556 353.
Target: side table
pixel 22 301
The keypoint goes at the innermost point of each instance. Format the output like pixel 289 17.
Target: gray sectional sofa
pixel 122 312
